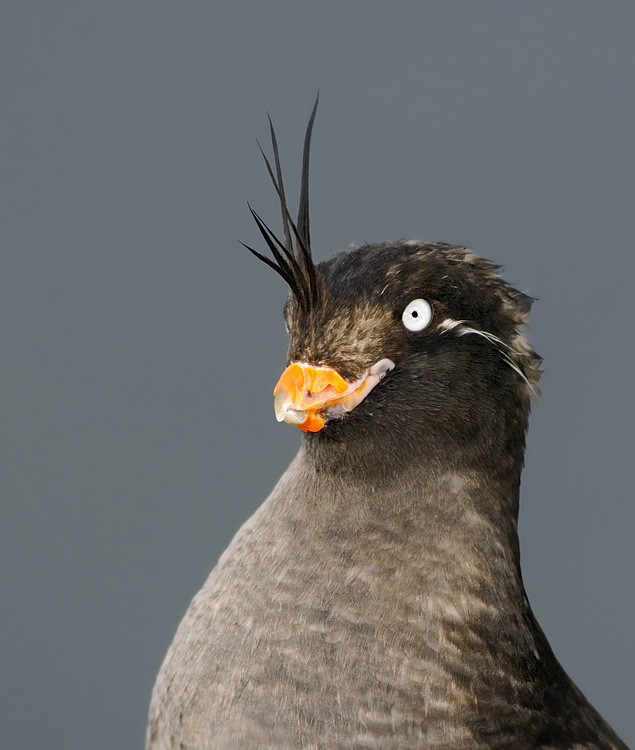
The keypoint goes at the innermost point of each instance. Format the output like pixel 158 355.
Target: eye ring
pixel 417 315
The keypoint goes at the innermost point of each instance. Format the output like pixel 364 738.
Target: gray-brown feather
pixel 339 620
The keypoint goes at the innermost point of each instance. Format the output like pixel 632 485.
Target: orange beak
pixel 307 396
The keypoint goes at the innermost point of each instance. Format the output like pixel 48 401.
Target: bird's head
pixel 403 342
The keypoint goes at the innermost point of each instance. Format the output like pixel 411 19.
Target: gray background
pixel 140 343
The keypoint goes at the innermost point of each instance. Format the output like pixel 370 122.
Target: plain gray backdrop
pixel 140 343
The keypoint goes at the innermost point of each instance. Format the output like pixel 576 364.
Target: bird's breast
pixel 322 618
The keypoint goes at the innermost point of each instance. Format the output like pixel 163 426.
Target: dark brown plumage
pixel 375 599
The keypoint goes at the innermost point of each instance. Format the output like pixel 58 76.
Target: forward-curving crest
pixel 292 258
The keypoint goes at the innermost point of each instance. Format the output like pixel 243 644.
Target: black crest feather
pixel 292 258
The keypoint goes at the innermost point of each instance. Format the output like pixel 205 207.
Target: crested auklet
pixel 375 600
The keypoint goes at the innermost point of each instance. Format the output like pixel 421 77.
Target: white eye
pixel 417 315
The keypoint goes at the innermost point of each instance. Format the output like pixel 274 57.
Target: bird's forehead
pixel 348 334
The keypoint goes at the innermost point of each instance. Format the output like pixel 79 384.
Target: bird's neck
pixel 438 550
pixel 456 526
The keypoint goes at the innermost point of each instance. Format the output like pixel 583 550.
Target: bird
pixel 375 599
